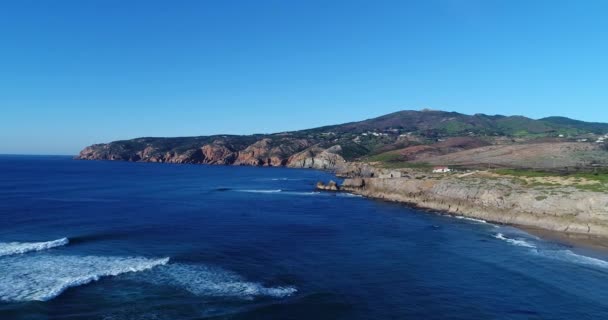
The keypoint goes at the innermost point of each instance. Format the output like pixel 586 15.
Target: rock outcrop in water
pixel 330 186
pixel 487 196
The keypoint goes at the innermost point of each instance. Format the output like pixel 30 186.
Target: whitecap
pixel 209 281
pixel 259 191
pixel 470 219
pixel 296 193
pixel 11 248
pixel 282 192
pixel 556 254
pixel 517 242
pixel 44 277
pixel 280 179
pixel 569 256
pixel 349 195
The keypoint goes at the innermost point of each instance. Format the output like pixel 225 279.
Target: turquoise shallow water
pixel 115 240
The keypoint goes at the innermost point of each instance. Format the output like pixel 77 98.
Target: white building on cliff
pixel 441 169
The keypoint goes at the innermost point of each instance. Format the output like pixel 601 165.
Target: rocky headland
pixel 293 153
pixel 427 136
pixel 565 204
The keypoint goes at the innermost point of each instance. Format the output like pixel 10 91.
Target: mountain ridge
pixel 328 146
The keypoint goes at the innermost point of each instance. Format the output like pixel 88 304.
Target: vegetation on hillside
pixel 376 139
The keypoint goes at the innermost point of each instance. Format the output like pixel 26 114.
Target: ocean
pixel 117 240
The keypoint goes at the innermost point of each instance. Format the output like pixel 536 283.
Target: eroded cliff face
pixel 296 153
pixel 501 200
pixel 318 158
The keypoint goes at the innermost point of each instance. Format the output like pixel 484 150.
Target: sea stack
pixel 330 186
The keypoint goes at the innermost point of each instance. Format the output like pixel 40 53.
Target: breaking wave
pixel 11 248
pixel 280 179
pixel 564 255
pixel 569 256
pixel 470 219
pixel 44 277
pixel 212 282
pixel 260 191
pixel 280 191
pixel 517 242
pixel 296 193
pixel 349 195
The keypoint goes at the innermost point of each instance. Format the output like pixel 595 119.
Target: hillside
pixel 405 136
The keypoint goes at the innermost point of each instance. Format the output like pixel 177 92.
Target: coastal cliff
pixel 289 152
pixel 427 136
pixel 556 204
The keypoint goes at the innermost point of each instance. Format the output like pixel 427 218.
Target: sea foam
pixel 280 191
pixel 260 191
pixel 349 195
pixel 209 281
pixel 517 242
pixel 571 257
pixel 564 255
pixel 44 277
pixel 470 219
pixel 11 248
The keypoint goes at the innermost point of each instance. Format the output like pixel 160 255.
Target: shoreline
pixel 561 210
pixel 595 243
pixel 592 242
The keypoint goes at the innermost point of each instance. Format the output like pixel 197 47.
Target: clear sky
pixel 73 73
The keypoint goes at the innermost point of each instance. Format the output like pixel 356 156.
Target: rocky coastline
pixel 485 196
pixel 292 153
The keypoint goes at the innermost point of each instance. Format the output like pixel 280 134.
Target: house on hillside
pixel 441 169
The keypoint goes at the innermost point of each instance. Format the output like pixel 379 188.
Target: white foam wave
pixel 569 256
pixel 470 219
pixel 349 195
pixel 11 248
pixel 44 277
pixel 295 193
pixel 214 282
pixel 559 254
pixel 260 191
pixel 282 192
pixel 517 242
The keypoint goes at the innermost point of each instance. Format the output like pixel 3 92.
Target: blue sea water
pixel 116 240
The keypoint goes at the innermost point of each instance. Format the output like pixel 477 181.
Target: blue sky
pixel 73 73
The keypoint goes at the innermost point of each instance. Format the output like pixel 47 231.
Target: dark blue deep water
pixel 115 240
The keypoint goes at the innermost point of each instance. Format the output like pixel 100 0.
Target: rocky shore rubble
pixel 486 196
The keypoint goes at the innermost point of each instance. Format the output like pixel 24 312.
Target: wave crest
pixel 282 192
pixel 260 191
pixel 470 219
pixel 42 278
pixel 517 242
pixel 12 248
pixel 214 282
